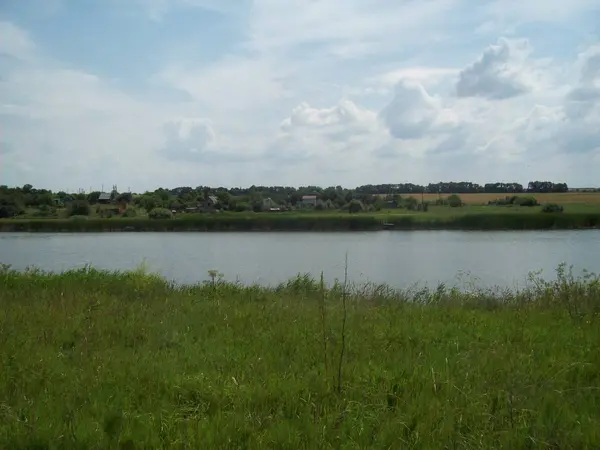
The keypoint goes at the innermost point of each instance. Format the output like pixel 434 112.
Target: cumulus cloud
pixel 413 113
pixel 188 139
pixel 15 42
pixel 339 122
pixel 303 93
pixel 499 73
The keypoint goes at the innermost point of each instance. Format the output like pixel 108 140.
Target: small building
pixel 104 198
pixel 269 203
pixel 210 204
pixel 309 200
pixel 60 202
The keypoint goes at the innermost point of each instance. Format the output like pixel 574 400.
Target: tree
pixel 355 206
pixel 125 197
pixel 93 197
pixel 454 201
pixel 78 208
pixel 160 213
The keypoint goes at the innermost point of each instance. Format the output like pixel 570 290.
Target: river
pixel 400 259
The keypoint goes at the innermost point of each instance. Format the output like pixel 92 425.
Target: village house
pixel 309 201
pixel 269 203
pixel 104 198
pixel 210 204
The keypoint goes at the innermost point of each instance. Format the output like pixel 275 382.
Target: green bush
pixel 552 208
pixel 525 201
pixel 130 212
pixel 355 206
pixel 78 208
pixel 410 203
pixel 160 213
pixel 454 201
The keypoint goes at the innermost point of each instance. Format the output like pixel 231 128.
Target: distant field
pixel 586 198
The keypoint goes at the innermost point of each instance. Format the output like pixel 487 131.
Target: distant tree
pixel 355 206
pixel 223 198
pixel 160 213
pixel 148 202
pixel 410 203
pixel 78 208
pixel 125 197
pixel 93 197
pixel 525 201
pixel 257 206
pixel 454 201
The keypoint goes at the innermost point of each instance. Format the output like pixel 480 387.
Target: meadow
pixel 437 218
pixel 561 198
pixel 98 360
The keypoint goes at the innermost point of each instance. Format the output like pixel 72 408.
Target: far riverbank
pixel 315 222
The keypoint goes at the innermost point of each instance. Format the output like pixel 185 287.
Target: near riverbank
pixel 317 222
pixel 127 360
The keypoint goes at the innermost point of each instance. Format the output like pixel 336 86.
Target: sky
pixel 151 93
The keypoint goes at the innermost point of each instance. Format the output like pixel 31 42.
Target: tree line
pixel 17 200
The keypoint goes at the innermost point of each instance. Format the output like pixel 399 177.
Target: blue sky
pixel 148 93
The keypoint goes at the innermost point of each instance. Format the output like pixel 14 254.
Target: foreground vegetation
pixel 475 219
pixel 101 360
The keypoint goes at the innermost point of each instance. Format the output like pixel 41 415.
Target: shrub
pixel 525 201
pixel 552 208
pixel 454 201
pixel 160 213
pixel 78 208
pixel 243 207
pixel 130 212
pixel 355 206
pixel 46 211
pixel 411 203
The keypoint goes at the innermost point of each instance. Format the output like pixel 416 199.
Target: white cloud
pixel 233 84
pixel 423 75
pixel 189 139
pixel 346 28
pixel 157 9
pixel 328 91
pixel 345 116
pixel 413 113
pixel 15 42
pixel 503 71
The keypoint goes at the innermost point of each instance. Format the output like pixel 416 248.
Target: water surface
pixel 400 259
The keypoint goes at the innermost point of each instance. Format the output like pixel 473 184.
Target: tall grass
pixel 94 359
pixel 493 220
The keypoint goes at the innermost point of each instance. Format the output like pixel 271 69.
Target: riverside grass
pixel 99 360
pixel 494 219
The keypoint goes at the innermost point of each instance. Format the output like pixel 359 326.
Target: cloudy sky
pixel 148 93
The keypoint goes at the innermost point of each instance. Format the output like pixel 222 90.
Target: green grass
pixel 104 360
pixel 472 217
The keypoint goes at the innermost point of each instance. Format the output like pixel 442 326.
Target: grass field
pixel 95 360
pixel 466 218
pixel 566 198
